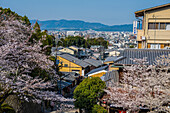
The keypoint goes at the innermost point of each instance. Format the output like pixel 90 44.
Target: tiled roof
pixel 69 76
pixel 111 77
pixel 63 84
pixel 74 60
pixel 97 69
pixel 93 62
pixel 114 58
pixel 151 54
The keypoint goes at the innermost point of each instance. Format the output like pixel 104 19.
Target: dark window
pixel 159 25
pixel 65 65
pixel 162 25
pixel 151 26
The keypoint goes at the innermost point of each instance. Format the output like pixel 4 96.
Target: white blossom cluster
pixel 143 86
pixel 18 58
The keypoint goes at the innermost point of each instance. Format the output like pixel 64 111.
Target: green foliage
pixel 131 46
pixel 47 40
pixel 40 73
pixel 26 20
pixel 98 41
pixel 98 109
pixel 8 12
pixel 87 93
pixel 5 108
pixel 81 42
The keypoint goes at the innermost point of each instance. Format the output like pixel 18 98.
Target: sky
pixel 109 12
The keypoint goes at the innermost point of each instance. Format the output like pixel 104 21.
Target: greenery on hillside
pixel 87 93
pixel 38 35
pixel 81 42
pixel 4 13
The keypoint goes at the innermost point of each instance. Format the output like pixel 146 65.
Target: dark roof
pixel 93 62
pixel 141 12
pixel 69 76
pixel 111 77
pixel 97 69
pixel 151 54
pixel 63 84
pixel 74 60
pixel 114 58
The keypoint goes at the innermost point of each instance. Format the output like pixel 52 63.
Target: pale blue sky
pixel 110 12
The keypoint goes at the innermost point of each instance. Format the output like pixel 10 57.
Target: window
pixel 162 25
pixel 65 65
pixel 159 25
pixel 167 26
pixel 155 46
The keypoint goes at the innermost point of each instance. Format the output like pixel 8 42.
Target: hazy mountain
pixel 80 25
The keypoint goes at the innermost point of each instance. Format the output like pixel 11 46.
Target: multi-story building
pixel 155 32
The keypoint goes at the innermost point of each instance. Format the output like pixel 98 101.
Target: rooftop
pixel 93 62
pixel 150 54
pixel 97 69
pixel 141 12
pixel 74 60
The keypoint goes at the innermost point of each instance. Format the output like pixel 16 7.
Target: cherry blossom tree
pixel 143 86
pixel 18 58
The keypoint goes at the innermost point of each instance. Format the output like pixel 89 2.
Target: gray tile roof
pixel 151 54
pixel 97 69
pixel 93 62
pixel 69 76
pixel 63 84
pixel 74 60
pixel 114 58
pixel 111 77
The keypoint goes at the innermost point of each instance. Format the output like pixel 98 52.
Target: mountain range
pixel 80 25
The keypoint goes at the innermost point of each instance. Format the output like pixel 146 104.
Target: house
pixel 112 52
pixel 65 87
pixel 73 64
pixel 68 50
pixel 111 60
pixel 98 72
pixel 74 48
pixel 155 32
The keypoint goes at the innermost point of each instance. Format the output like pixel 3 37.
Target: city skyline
pixel 108 12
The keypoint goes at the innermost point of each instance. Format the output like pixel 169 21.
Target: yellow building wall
pixel 111 62
pixel 158 36
pixel 66 50
pixel 113 68
pixel 71 66
pixel 98 74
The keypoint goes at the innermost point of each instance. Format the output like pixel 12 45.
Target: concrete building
pixel 155 32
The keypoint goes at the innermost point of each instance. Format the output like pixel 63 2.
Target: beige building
pixel 67 50
pixel 155 32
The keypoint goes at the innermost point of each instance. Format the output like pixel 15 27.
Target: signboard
pixel 57 62
pixel 135 27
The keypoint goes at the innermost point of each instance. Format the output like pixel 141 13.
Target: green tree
pixel 87 93
pixel 98 109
